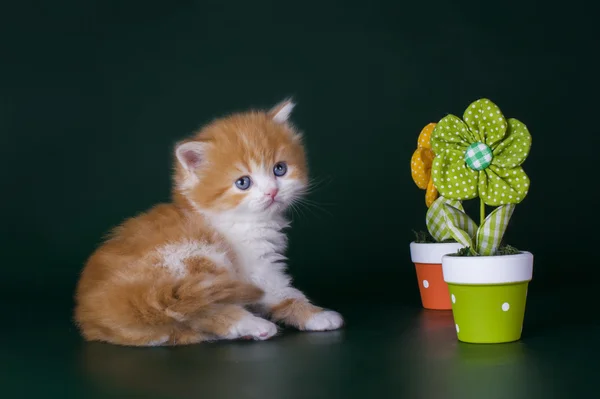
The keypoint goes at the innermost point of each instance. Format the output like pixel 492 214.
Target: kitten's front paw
pixel 324 321
pixel 252 327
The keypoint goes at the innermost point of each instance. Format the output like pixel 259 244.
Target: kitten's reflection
pixel 224 369
pixel 160 371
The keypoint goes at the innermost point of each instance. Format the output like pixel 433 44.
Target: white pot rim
pixel 431 253
pixel 501 269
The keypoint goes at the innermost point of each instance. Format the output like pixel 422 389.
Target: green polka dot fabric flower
pixel 480 155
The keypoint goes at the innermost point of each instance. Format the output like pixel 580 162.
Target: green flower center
pixel 478 156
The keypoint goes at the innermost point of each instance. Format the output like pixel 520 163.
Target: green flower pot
pixel 488 295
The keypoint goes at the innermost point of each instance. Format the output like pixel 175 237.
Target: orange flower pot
pixel 427 258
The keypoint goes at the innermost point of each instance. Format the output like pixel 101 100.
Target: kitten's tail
pixel 120 312
pixel 178 300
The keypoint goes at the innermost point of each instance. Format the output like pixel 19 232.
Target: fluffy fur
pixel 211 264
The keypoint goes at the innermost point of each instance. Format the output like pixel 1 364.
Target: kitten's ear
pixel 191 154
pixel 281 112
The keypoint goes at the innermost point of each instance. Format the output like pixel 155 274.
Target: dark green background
pixel 93 95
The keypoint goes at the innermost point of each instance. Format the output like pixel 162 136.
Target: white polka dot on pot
pixel 425 283
pixel 505 306
pixel 453 299
pixel 457 329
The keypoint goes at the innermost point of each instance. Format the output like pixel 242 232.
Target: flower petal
pixel 450 133
pixel 425 136
pixel 420 167
pixel 499 186
pixel 486 121
pixel 431 194
pixel 452 178
pixel 512 151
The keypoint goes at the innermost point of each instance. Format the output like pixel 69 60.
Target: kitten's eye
pixel 280 169
pixel 243 183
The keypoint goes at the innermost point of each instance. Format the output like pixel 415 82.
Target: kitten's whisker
pixel 315 184
pixel 321 180
pixel 311 205
pixel 295 209
pixel 313 202
pixel 298 205
pixel 291 211
pixel 301 211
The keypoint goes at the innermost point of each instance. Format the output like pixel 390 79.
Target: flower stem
pixel 482 210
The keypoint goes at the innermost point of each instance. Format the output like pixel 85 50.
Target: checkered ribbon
pixel 478 156
pixel 460 226
pixel 435 218
pixel 490 233
pixel 487 237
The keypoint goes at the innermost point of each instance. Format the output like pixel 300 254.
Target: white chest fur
pixel 260 248
pixel 257 244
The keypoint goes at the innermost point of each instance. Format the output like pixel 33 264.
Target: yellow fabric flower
pixel 420 165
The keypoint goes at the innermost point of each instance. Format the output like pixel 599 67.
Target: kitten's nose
pixel 272 193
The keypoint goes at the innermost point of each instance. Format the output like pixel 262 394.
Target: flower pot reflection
pixel 432 350
pixel 435 338
pixel 431 321
pixel 442 367
pixel 494 371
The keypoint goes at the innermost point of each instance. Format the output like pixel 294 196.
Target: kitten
pixel 191 271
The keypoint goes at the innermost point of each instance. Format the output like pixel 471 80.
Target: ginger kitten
pixel 193 270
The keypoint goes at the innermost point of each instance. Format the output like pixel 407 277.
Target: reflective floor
pixel 385 351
